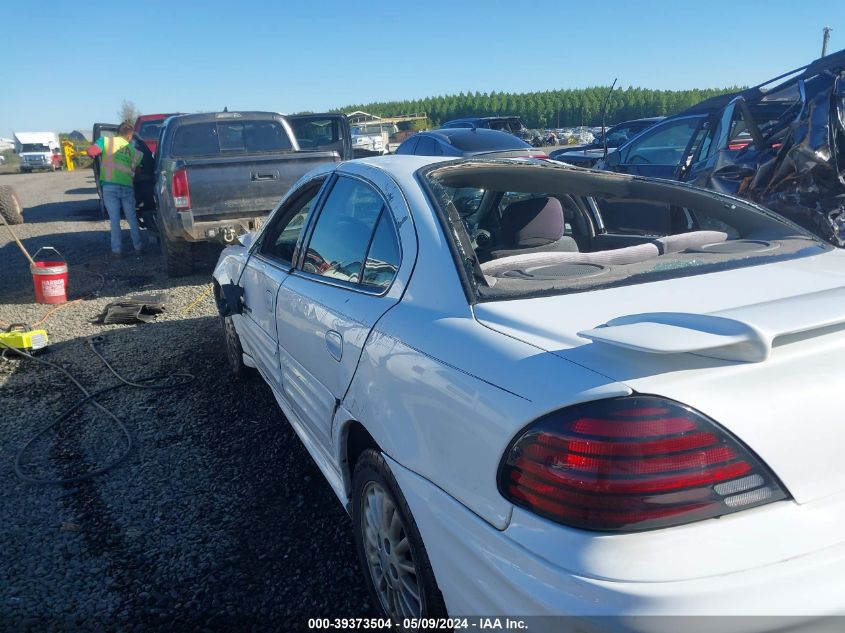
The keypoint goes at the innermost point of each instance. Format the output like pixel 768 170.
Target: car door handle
pixel 265 175
pixel 334 344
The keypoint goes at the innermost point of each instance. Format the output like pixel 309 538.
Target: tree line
pixel 549 109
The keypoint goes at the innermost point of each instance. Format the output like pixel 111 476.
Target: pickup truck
pixel 147 126
pixel 218 175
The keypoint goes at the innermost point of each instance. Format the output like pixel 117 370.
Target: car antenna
pixel 603 112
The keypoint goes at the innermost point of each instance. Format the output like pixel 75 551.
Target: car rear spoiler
pixel 744 334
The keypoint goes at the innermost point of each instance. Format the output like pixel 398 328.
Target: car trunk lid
pixel 761 350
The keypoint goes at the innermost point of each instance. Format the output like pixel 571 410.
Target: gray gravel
pixel 218 520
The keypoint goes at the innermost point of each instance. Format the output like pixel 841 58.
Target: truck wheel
pixel 25 170
pixel 396 567
pixel 178 256
pixel 10 206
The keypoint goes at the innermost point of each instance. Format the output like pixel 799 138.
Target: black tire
pixel 10 206
pixel 178 256
pixel 373 474
pixel 234 351
pixel 25 170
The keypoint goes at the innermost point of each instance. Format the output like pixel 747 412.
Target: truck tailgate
pixel 241 186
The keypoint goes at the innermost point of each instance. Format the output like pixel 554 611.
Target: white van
pixel 38 150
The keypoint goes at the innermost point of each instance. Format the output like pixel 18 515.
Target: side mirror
pixel 246 239
pixel 613 159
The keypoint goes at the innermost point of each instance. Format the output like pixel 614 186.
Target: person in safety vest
pixel 118 161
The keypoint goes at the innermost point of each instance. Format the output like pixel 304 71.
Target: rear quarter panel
pixel 419 392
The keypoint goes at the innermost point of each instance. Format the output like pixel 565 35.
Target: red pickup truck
pixel 147 127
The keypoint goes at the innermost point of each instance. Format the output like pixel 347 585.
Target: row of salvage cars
pixel 781 144
pixel 545 390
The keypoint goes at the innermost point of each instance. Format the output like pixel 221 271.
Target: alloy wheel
pixel 389 555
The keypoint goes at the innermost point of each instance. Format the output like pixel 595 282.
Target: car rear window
pixel 505 125
pixel 478 141
pixel 149 130
pixel 312 132
pixel 211 138
pixel 525 229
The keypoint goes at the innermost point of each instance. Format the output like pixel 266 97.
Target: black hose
pixel 177 379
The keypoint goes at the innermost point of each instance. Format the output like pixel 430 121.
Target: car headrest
pixel 532 222
pixel 569 208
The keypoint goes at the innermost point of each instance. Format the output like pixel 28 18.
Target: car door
pixel 345 281
pixel 660 152
pixel 268 266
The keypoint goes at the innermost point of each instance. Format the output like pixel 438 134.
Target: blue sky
pixel 65 65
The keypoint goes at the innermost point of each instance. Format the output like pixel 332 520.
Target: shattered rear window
pixel 530 229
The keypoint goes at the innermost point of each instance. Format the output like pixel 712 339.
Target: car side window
pixel 341 238
pixel 281 238
pixel 739 135
pixel 383 257
pixel 619 135
pixel 626 216
pixel 666 146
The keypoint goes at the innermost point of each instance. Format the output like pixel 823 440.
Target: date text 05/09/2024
pixel 435 624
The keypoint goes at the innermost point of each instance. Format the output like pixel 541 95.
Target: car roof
pixel 224 116
pixel 508 117
pixel 830 62
pixel 648 119
pixel 477 139
pixel 154 117
pixel 403 169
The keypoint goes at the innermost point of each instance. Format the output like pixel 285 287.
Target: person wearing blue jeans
pixel 115 198
pixel 119 159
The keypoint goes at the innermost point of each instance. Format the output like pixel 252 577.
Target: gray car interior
pixel 553 235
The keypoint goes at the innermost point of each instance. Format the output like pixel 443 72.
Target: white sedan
pixel 542 390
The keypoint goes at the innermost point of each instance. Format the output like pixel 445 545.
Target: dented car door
pixel 267 268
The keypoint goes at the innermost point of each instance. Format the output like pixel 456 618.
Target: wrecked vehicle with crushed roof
pixel 780 144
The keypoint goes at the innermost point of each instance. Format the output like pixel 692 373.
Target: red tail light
pixel 633 463
pixel 181 191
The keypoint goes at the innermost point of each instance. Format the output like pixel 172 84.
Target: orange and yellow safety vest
pixel 118 160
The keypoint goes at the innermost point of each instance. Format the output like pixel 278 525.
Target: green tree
pixel 548 108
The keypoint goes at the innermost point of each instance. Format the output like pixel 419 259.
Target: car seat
pixel 535 225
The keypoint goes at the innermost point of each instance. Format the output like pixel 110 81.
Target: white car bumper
pixel 484 572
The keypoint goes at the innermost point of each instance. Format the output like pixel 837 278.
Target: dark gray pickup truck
pixel 219 174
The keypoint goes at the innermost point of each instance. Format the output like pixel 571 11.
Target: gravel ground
pixel 217 520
